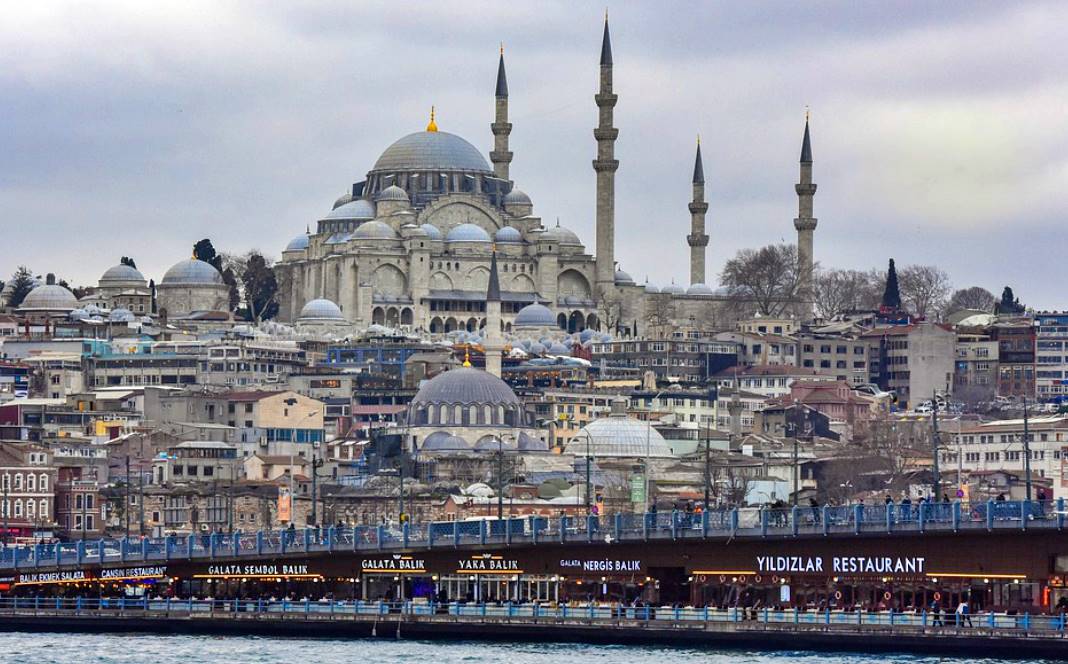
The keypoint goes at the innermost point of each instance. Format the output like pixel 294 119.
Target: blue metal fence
pixel 738 522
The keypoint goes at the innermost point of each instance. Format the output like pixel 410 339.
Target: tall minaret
pixel 805 224
pixel 501 156
pixel 605 165
pixel 491 341
pixel 697 238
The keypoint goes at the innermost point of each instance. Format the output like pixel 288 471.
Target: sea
pixel 59 648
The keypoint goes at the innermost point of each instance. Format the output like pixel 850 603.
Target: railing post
pixel 382 536
pixel 456 533
pixel 482 532
pixel 923 516
pixel 144 549
pixel 1060 514
pixel 674 524
pixel 858 516
pixel 190 542
pixel 763 522
pixel 259 542
pixel 889 518
pixel 990 515
pixel 956 516
pixel 307 539
pixel 1025 511
pixel 590 521
pixel 563 528
pixel 704 522
pixel 645 526
pixel 734 521
pixel 429 535
pixel 211 546
pixel 534 530
pixel 617 525
pixel 81 551
pixel 508 531
pixel 283 540
pixel 59 553
pixel 826 513
pixel 123 546
pixel 794 511
pixel 404 535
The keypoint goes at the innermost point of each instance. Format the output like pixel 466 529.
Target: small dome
pixel 516 197
pixel 342 199
pixel 467 233
pixel 337 238
pixel 374 230
pixel 560 235
pixel 508 234
pixel 357 209
pixel 192 272
pixel 535 315
pixel 50 297
pixel 698 289
pixel 121 315
pixel 618 436
pixel 432 231
pixel 623 279
pixel 650 288
pixel 321 309
pixel 443 441
pixel 559 349
pixel 537 348
pixel 121 272
pixel 299 243
pixel 78 314
pixel 673 289
pixel 393 193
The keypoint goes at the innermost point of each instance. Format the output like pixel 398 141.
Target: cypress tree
pixel 891 296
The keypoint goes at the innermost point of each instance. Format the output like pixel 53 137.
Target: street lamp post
pixel 1027 451
pixel 649 447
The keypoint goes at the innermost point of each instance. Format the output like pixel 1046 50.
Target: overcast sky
pixel 939 128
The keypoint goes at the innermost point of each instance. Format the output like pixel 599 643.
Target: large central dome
pixel 432 150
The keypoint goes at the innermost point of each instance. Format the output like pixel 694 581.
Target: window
pixel 18 508
pixel 42 509
pixel 88 501
pixel 43 482
pixel 18 482
pixel 31 482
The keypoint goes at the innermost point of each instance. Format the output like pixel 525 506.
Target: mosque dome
pixel 192 272
pixel 338 238
pixel 432 231
pixel 374 230
pixel 558 348
pixel 516 197
pixel 431 150
pixel 698 289
pixel 619 436
pixel 321 309
pixel 299 243
pixel 560 235
pixel 650 288
pixel 342 199
pixel 673 289
pixel 443 441
pixel 534 315
pixel 393 193
pixel 121 273
pixel 49 297
pixel 466 397
pixel 509 234
pixel 357 209
pixel 623 279
pixel 467 233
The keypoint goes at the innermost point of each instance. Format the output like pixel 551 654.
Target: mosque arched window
pixel 470 416
pixel 486 416
pixel 500 415
pixel 458 414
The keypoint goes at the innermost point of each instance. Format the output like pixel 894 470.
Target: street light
pixel 649 447
pixel 500 472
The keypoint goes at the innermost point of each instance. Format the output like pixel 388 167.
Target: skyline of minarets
pixel 605 166
pixel 501 156
pixel 805 224
pixel 493 344
pixel 698 239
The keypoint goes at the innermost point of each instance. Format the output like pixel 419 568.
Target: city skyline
pixel 162 129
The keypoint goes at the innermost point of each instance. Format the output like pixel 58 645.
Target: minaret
pixel 501 128
pixel 491 340
pixel 605 165
pixel 697 239
pixel 805 224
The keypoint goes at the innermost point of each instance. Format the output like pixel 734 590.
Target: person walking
pixel 963 614
pixel 936 613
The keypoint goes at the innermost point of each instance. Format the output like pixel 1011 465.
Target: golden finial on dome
pixel 432 126
pixel 467 356
pixel 502 48
pixel 806 112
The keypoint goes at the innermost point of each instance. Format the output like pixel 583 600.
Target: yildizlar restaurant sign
pixel 844 565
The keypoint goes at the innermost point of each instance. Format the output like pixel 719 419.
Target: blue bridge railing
pixel 738 522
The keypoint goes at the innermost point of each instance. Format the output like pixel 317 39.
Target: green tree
pixel 892 293
pixel 260 286
pixel 22 283
pixel 1010 304
pixel 205 251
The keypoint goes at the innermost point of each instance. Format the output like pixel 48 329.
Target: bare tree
pixel 975 298
pixel 837 291
pixel 610 312
pixel 925 290
pixel 765 280
pixel 660 314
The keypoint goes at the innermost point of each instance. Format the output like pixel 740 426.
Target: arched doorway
pixel 451 324
pixel 378 316
pixel 561 320
pixel 406 316
pixel 436 325
pixel 577 322
pixel 392 317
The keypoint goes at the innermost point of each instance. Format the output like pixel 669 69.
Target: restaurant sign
pixel 606 565
pixel 255 570
pixel 394 564
pixel 488 564
pixel 72 576
pixel 842 564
